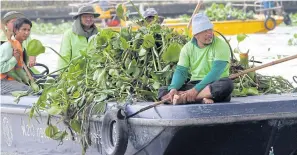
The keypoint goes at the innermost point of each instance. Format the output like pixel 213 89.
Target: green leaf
pixel 136 72
pixel 101 79
pixel 148 41
pixel 50 131
pixel 250 91
pixel 75 125
pixel 100 98
pixel 156 85
pixel 113 72
pixel 124 44
pixel 237 93
pixel 18 93
pixel 50 80
pixel 127 63
pixel 32 110
pixel 132 67
pixel 59 135
pixel 142 52
pixel 35 48
pixel 99 108
pixel 76 94
pixel 34 86
pixel 54 110
pixel 172 53
pixel 241 37
pixel 290 42
pixel 120 12
pixel 101 40
pixel 295 35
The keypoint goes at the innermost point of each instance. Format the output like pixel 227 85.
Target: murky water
pixel 264 47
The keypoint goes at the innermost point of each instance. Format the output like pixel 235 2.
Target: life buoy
pixel 269 23
pixel 114 134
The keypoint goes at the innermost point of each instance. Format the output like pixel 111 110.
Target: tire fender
pixel 114 134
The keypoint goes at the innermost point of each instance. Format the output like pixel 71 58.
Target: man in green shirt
pixel 206 58
pixel 76 38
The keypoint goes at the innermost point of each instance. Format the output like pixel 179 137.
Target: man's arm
pixel 7 60
pixel 217 69
pixel 179 77
pixel 181 72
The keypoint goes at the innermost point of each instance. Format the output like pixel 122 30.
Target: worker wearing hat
pixel 76 38
pixel 7 21
pixel 150 14
pixel 206 58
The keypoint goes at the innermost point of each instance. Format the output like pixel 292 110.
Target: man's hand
pixel 191 95
pixel 170 95
pixel 16 54
pixel 32 61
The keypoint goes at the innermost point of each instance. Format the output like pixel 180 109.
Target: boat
pixel 231 27
pixel 234 27
pixel 264 124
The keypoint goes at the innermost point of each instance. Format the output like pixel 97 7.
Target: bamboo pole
pixel 147 107
pixel 233 76
pixel 195 11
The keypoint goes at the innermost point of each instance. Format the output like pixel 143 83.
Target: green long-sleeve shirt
pixel 204 64
pixel 181 73
pixel 7 60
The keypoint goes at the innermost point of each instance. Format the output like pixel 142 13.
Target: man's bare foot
pixel 207 101
pixel 179 99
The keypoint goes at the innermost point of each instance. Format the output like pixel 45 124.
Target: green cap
pixel 11 15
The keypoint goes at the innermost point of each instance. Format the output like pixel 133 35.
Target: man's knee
pixel 221 90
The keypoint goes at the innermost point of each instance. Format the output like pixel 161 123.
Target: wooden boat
pixel 247 125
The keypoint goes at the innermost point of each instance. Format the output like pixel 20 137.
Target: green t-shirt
pixel 200 60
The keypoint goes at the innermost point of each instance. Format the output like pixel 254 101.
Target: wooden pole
pixel 195 11
pixel 148 107
pixel 233 76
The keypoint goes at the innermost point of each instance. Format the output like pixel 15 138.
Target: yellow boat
pixel 232 27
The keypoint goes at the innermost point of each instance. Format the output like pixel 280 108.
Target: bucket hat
pixel 87 9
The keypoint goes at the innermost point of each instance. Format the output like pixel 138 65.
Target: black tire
pixel 287 20
pixel 269 19
pixel 114 144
